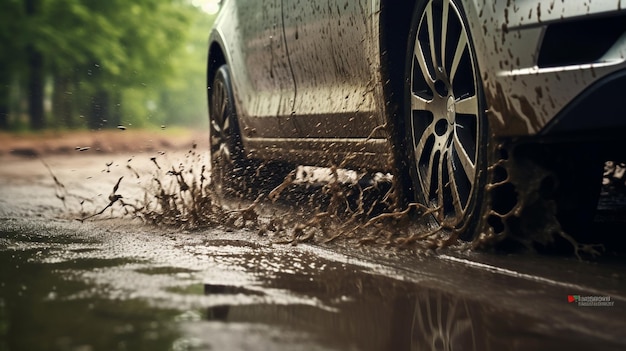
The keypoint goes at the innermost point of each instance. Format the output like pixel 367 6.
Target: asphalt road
pixel 116 283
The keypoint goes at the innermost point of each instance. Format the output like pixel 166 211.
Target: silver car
pixel 490 112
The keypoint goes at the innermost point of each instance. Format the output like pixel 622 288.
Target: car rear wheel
pixel 444 119
pixel 232 173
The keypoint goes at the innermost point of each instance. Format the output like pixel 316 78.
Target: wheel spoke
pixel 428 178
pixel 214 126
pixel 467 163
pixel 440 184
pixel 222 114
pixel 458 53
pixel 428 131
pixel 418 103
pixel 467 105
pixel 220 108
pixel 226 152
pixel 454 187
pixel 226 125
pixel 444 30
pixel 423 66
pixel 420 147
pixel 431 35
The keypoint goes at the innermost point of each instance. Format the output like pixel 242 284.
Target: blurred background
pixel 89 64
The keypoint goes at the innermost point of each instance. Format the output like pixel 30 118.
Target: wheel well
pixel 395 24
pixel 216 60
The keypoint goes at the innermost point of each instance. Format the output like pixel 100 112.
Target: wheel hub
pixel 450 109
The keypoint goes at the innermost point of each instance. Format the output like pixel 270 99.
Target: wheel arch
pixel 216 59
pixel 218 55
pixel 395 25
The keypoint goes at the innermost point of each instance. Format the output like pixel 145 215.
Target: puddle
pixel 401 317
pixel 165 270
pixel 37 311
pixel 146 293
pixel 84 250
pixel 35 237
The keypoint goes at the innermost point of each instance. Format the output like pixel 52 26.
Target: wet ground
pixel 118 284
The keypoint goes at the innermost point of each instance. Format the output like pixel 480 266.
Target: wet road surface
pixel 117 284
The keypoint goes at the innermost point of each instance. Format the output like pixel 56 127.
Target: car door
pixel 263 82
pixel 331 50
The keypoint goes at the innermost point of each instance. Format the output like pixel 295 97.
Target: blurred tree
pixel 95 55
pixel 183 101
pixel 11 19
pixel 35 61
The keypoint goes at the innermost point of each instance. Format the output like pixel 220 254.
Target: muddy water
pixel 120 286
pixel 117 284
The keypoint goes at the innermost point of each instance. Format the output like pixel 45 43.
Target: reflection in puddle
pixel 442 323
pixel 211 289
pixel 218 313
pixel 384 314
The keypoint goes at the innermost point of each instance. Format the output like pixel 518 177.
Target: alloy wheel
pixel 220 134
pixel 444 113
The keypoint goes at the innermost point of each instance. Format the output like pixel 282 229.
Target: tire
pixel 445 126
pixel 232 173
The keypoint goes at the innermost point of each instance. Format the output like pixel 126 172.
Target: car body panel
pixel 309 77
pixel 251 33
pixel 522 97
pixel 334 112
pixel 334 56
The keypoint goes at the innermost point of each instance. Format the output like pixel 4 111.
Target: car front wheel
pixel 444 118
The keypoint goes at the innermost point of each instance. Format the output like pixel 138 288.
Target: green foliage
pixel 184 100
pixel 136 62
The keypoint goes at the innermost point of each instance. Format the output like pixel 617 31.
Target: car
pixel 498 115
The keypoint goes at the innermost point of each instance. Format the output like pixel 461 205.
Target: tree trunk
pixel 34 59
pixel 5 92
pixel 62 101
pixel 116 115
pixel 80 97
pixel 35 89
pixel 100 111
